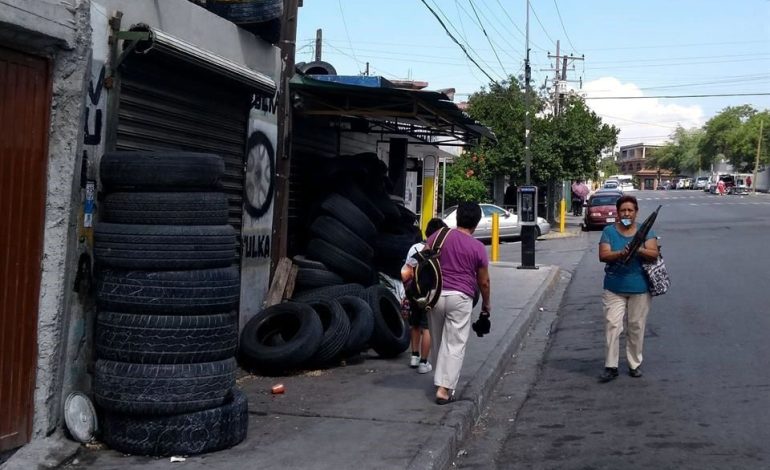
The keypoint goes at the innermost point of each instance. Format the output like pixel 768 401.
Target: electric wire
pixel 465 51
pixel 347 33
pixel 480 24
pixel 483 30
pixel 541 24
pixel 711 95
pixel 574 49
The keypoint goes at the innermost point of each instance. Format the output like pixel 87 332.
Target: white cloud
pixel 640 120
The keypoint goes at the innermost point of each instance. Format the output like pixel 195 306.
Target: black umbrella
pixel 641 235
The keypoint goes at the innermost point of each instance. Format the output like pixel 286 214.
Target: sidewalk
pixel 376 414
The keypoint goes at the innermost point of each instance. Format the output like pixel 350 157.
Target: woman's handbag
pixel 658 280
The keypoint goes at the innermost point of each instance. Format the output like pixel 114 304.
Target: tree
pixel 681 154
pixel 727 134
pixel 563 147
pixel 467 180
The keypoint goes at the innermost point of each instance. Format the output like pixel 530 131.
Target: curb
pixel 440 451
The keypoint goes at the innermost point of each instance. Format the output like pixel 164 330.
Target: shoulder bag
pixel 658 280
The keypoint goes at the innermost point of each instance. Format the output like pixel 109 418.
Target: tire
pixel 164 247
pixel 181 434
pixel 304 262
pixel 165 339
pixel 282 337
pixel 391 334
pixel 308 279
pixel 363 202
pixel 157 389
pixel 351 216
pixel 336 328
pixel 193 208
pixel 259 177
pixel 192 292
pixel 339 261
pixel 331 292
pixel 361 323
pixel 161 171
pixel 333 231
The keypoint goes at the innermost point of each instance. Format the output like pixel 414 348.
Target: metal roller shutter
pixel 168 104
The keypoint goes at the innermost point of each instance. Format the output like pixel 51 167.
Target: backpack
pixel 425 288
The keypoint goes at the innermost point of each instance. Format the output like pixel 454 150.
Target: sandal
pixel 444 401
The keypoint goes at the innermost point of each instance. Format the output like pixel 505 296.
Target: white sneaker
pixel 424 368
pixel 414 361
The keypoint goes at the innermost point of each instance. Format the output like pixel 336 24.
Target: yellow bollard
pixel 563 215
pixel 495 237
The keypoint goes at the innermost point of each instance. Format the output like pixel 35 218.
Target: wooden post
pixel 283 153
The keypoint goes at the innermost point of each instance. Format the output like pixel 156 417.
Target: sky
pixel 630 48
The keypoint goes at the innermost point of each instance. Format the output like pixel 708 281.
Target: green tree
pixel 726 134
pixel 563 147
pixel 467 180
pixel 681 154
pixel 607 166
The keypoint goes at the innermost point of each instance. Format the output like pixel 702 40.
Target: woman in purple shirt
pixel 464 266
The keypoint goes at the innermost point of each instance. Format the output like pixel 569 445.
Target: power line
pixel 347 33
pixel 574 49
pixel 714 95
pixel 541 24
pixel 479 23
pixel 465 51
pixel 473 7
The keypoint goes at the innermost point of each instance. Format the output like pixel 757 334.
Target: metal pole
pixel 443 187
pixel 756 162
pixel 527 231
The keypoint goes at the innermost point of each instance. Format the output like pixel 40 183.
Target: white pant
pixel 615 307
pixel 450 324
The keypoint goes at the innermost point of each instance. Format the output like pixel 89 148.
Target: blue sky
pixel 631 48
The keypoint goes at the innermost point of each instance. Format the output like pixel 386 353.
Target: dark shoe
pixel 610 373
pixel 636 373
pixel 444 401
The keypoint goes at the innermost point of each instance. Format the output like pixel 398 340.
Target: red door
pixel 25 96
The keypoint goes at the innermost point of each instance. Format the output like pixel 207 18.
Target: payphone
pixel 527 204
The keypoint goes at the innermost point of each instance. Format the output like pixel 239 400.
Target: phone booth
pixel 527 204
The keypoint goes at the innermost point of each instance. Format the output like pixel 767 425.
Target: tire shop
pixel 134 121
pixel 141 197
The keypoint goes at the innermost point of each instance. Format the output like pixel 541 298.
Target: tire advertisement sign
pixel 258 201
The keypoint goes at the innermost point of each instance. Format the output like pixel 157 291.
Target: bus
pixel 625 182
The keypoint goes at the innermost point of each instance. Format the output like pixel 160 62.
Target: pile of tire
pixel 167 297
pixel 323 326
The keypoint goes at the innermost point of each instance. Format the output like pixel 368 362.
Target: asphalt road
pixel 704 399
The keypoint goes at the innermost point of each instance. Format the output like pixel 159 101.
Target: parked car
pixel 509 222
pixel 600 209
pixel 611 184
pixel 740 190
pixel 702 182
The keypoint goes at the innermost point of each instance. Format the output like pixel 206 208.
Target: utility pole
pixel 559 86
pixel 756 161
pixel 283 153
pixel 318 44
pixel 528 233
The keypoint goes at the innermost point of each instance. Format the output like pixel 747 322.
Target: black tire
pixel 339 261
pixel 150 247
pixel 391 334
pixel 165 339
pixel 361 320
pixel 169 292
pixel 386 205
pixel 308 279
pixel 333 231
pixel 181 434
pixel 194 208
pixel 336 328
pixel 363 202
pixel 282 337
pixel 305 262
pixel 330 292
pixel 351 216
pixel 161 171
pixel 157 389
pixel 259 175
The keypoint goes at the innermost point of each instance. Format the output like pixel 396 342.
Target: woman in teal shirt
pixel 625 288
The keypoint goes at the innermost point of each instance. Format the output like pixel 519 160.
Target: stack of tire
pixel 167 295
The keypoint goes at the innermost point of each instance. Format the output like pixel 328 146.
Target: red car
pixel 600 209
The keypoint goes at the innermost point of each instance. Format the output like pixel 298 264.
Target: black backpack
pixel 425 289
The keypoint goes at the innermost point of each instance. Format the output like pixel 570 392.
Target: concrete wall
pixel 57 30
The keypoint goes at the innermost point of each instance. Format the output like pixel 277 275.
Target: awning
pixel 142 39
pixel 427 115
